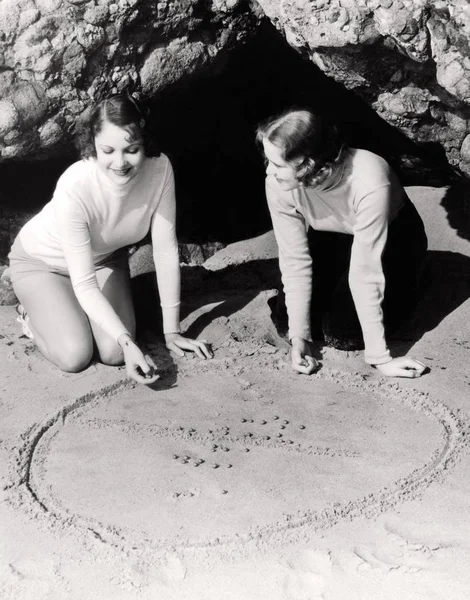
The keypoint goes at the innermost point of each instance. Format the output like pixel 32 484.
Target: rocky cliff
pixel 409 59
pixel 56 55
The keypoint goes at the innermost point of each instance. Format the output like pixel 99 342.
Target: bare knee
pixel 73 359
pixel 111 355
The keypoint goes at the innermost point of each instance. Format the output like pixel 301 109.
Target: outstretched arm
pixel 367 283
pixel 167 268
pixel 295 264
pixel 75 239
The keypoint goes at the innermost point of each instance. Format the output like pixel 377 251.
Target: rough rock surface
pixel 409 59
pixel 56 55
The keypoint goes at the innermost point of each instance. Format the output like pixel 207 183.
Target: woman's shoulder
pixel 365 160
pixel 369 170
pixel 158 166
pixel 160 162
pixel 76 175
pixel 163 159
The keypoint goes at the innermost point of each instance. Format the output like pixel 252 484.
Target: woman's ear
pixel 306 168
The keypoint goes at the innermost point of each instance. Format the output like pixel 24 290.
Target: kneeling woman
pixel 68 264
pixel 351 243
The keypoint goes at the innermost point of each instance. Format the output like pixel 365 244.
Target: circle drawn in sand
pixel 216 459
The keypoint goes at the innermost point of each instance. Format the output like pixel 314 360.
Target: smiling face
pixel 119 153
pixel 284 172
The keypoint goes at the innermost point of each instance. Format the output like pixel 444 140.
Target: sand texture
pixel 235 478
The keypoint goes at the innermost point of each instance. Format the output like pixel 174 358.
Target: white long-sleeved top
pixel 363 199
pixel 89 217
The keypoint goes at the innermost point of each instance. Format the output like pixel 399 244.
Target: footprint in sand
pixel 416 551
pixel 382 560
pixel 310 572
pixel 395 554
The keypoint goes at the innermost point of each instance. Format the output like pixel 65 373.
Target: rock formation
pixel 56 55
pixel 409 59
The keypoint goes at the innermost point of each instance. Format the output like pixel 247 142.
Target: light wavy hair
pixel 310 142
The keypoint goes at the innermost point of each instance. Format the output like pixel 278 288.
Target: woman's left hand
pixel 402 366
pixel 178 344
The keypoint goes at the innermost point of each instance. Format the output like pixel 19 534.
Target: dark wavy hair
pixel 121 110
pixel 310 141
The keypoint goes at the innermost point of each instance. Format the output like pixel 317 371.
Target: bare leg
pixel 60 327
pixel 116 287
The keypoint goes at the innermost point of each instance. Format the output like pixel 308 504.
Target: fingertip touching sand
pixel 341 214
pixel 69 264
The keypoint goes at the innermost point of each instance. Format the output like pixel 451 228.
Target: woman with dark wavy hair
pixel 69 264
pixel 351 243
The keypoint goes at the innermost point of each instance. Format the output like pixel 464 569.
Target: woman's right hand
pixel 301 355
pixel 402 366
pixel 139 367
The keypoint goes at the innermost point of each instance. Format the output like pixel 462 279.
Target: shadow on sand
pixel 445 287
pixel 456 202
pixel 229 290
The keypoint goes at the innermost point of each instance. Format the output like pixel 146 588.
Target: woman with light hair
pixel 351 243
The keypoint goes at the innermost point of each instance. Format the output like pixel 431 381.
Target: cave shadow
pixel 445 287
pixel 456 202
pixel 207 128
pixel 230 289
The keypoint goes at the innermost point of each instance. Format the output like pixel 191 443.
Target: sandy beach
pixel 235 478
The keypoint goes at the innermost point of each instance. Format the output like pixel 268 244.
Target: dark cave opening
pixel 208 127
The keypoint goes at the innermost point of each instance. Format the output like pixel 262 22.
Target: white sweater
pixel 90 217
pixel 365 197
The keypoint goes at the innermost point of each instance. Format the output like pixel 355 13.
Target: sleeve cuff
pixel 378 360
pixel 171 319
pixel 305 335
pixel 119 333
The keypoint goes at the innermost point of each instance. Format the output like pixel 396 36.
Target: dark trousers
pixel 334 318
